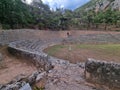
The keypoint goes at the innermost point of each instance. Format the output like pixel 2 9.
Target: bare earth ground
pixel 12 67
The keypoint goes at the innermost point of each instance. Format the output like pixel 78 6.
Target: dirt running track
pixel 13 67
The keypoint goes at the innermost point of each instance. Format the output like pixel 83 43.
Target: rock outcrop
pixel 1 57
pixel 24 83
pixel 100 5
pixel 103 72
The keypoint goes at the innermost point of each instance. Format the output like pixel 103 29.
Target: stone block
pixel 26 87
pixel 103 72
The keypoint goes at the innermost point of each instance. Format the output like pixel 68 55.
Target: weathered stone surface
pixel 9 36
pixel 32 78
pixel 19 78
pixel 23 82
pixel 40 59
pixel 26 87
pixel 103 72
pixel 1 87
pixel 66 77
pixel 14 86
pixel 82 65
pixel 1 57
pixel 40 76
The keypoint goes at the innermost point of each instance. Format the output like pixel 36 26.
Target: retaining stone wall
pixel 9 36
pixel 101 72
pixel 41 60
pixel 14 35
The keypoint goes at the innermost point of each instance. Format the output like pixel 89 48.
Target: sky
pixel 66 4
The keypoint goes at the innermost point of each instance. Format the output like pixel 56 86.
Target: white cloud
pixel 28 1
pixel 69 4
pixel 62 6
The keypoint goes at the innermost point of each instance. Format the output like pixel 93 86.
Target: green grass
pixel 102 46
pixel 52 50
pixel 80 52
pixel 113 49
pixel 105 49
pixel 38 88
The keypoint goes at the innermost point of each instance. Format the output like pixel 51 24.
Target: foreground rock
pixel 103 73
pixel 23 82
pixel 26 87
pixel 1 57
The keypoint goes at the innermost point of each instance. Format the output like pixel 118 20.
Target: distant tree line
pixel 37 15
pixel 102 18
pixel 17 14
pixel 90 16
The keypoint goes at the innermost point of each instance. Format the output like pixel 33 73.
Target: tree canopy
pixel 17 14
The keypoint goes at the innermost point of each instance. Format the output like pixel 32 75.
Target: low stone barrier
pixel 101 72
pixel 39 59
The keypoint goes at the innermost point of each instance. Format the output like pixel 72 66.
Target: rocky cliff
pixel 100 5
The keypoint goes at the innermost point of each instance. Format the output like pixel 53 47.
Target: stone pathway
pixel 66 77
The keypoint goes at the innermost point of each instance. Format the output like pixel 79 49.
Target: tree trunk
pixel 105 27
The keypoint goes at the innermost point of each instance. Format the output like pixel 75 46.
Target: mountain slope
pixel 98 5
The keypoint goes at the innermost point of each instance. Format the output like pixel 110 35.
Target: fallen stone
pixel 1 57
pixel 102 72
pixel 26 87
pixel 1 87
pixel 32 78
pixel 19 78
pixel 82 65
pixel 14 86
pixel 40 76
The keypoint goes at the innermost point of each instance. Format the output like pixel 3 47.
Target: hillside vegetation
pixel 96 14
pixel 100 13
pixel 18 14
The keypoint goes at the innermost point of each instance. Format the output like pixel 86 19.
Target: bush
pixel 5 26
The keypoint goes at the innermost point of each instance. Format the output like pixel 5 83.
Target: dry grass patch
pixel 80 52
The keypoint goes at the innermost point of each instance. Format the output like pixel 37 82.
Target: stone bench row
pixel 100 38
pixel 33 50
pixel 39 59
pixel 15 35
pixel 31 45
pixel 7 37
pixel 95 38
